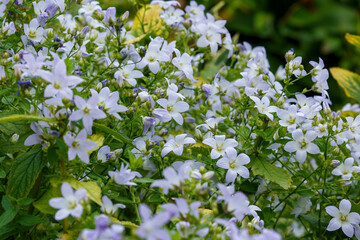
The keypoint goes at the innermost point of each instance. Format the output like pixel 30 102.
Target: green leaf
pixel 270 172
pixel 117 135
pixel 124 200
pixel 8 215
pixel 43 203
pixel 143 180
pixel 348 81
pixel 25 201
pixel 6 203
pixel 70 65
pixel 28 220
pixel 24 172
pixel 353 39
pixel 213 66
pixel 20 117
pixel 6 146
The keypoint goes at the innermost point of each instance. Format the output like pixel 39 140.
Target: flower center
pixel 72 204
pixel 86 110
pixel 32 34
pixel 75 144
pixel 57 85
pixel 151 59
pixel 291 120
pixel 232 164
pixel 218 147
pixel 303 144
pixel 169 108
pixel 343 218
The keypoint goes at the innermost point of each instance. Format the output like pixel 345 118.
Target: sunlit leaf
pixel 348 81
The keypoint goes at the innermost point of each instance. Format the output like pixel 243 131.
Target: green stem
pixel 277 219
pixel 135 205
pixel 296 188
pixel 324 185
pixel 19 117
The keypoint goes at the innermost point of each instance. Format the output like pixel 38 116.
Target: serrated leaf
pixel 6 146
pixel 353 39
pixel 348 81
pixel 271 172
pixel 24 172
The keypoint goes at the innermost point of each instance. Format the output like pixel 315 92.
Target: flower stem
pixel 135 205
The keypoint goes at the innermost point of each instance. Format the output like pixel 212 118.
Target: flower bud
pixel 14 138
pixel 335 163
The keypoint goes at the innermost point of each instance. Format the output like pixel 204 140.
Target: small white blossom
pixel 343 218
pixel 69 204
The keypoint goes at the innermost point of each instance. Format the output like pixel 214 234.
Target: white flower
pixel 69 204
pixel 108 207
pixel 33 31
pixel 172 108
pixel 78 146
pixel 346 169
pixel 177 144
pixel 264 107
pixel 303 205
pixel 125 176
pixel 343 218
pixel 60 84
pixel 302 144
pixel 87 111
pixel 290 117
pixel 108 102
pixel 234 163
pixel 128 73
pixel 153 56
pixel 219 145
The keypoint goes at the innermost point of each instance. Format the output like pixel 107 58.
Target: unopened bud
pixel 14 138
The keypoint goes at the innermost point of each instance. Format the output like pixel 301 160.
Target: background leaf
pixel 353 39
pixel 24 172
pixel 349 81
pixel 270 172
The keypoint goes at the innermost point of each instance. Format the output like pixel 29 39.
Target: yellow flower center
pixel 32 34
pixel 86 110
pixel 57 85
pixel 75 144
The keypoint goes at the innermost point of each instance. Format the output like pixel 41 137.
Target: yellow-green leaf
pixel 270 172
pixel 348 81
pixel 353 39
pixel 98 139
pixel 93 191
pixel 134 40
pixel 124 223
pixel 147 20
pixel 345 114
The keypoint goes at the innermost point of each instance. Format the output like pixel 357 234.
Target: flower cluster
pixel 162 127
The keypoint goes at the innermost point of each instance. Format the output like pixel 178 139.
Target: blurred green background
pixel 313 28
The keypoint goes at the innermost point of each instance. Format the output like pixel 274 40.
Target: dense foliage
pixel 162 126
